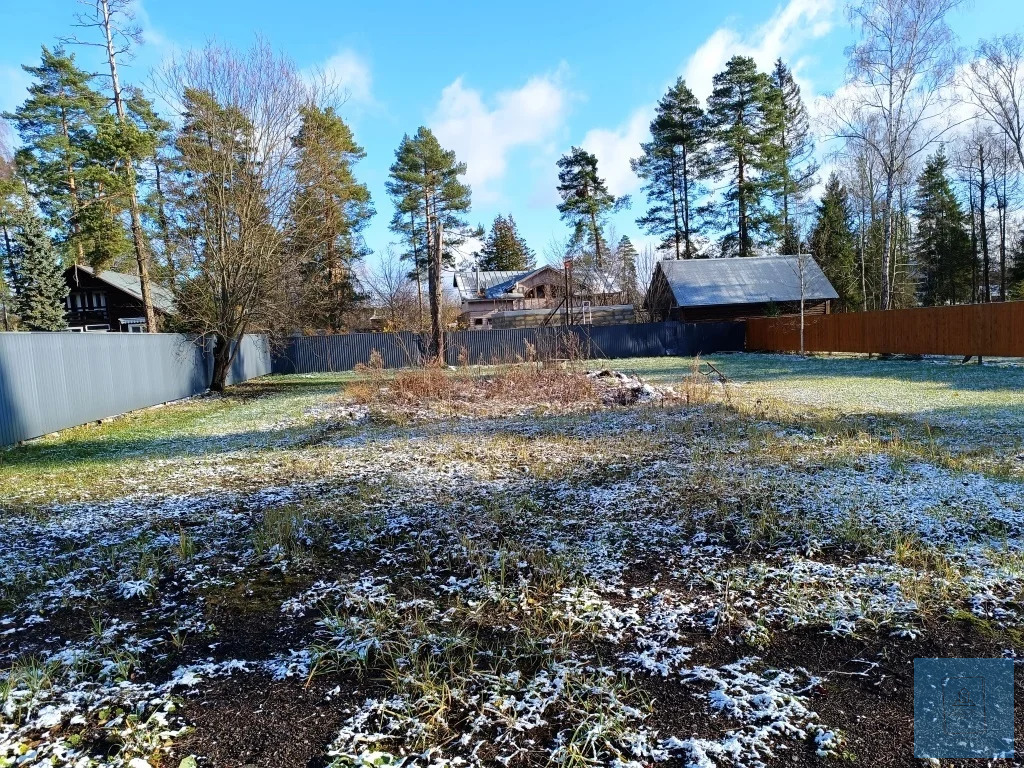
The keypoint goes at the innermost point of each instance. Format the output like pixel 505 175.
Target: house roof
pixel 496 284
pixel 749 280
pixel 492 284
pixel 163 298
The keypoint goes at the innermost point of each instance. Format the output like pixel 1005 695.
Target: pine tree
pixel 154 171
pixel 834 244
pixel 58 159
pixel 586 202
pixel 328 213
pixel 941 245
pixel 38 278
pixel 674 167
pixel 430 201
pixel 740 116
pixel 504 248
pixel 796 167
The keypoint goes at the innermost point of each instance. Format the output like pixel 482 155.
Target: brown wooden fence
pixel 974 329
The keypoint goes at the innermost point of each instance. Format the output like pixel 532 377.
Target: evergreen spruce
pixel 586 203
pixel 941 245
pixel 796 167
pixel 741 116
pixel 834 244
pixel 673 167
pixel 38 278
pixel 504 248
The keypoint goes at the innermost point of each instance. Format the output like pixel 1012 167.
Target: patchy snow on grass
pixel 512 587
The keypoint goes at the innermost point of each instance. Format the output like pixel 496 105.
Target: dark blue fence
pixel 342 352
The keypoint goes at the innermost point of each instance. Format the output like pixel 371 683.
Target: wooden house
pixel 110 301
pixel 500 299
pixel 699 290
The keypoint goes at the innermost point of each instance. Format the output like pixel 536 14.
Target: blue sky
pixel 509 86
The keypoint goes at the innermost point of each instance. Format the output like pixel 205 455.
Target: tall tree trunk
pixel 887 244
pixel 986 277
pixel 741 203
pixel 222 359
pixel 863 251
pixel 76 203
pixel 676 232
pixel 434 290
pixel 164 223
pixel 597 238
pixel 974 245
pixel 418 268
pixel 138 236
pixel 7 248
pixel 686 205
pixel 1003 209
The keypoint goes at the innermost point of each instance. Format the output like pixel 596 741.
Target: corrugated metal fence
pixel 51 381
pixel 342 352
pixel 995 330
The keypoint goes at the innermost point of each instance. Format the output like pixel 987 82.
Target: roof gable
pixel 744 280
pixel 163 298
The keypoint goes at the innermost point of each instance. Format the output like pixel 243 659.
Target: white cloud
pixel 615 147
pixel 791 26
pixel 483 136
pixel 14 83
pixel 348 71
pixel 150 34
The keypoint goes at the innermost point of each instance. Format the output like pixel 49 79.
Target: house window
pixel 478 321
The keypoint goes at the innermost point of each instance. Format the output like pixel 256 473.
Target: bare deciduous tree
pixel 391 292
pixel 896 100
pixel 235 151
pixel 996 84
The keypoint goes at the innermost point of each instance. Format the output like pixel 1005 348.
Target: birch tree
pixel 996 84
pixel 896 99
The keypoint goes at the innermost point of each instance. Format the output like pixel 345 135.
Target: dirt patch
pixel 251 720
pixel 868 692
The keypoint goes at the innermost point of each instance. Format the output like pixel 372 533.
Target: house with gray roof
pixel 111 301
pixel 697 290
pixel 518 299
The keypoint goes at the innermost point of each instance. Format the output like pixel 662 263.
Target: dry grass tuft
pixel 480 392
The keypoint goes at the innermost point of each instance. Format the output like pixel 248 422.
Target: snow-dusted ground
pixel 517 591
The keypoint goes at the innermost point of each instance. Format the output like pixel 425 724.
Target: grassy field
pixel 362 569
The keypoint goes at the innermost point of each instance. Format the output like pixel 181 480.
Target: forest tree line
pixel 243 195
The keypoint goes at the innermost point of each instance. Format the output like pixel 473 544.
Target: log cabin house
pixel 700 290
pixel 110 301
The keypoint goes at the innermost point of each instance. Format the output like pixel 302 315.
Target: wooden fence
pixel 995 330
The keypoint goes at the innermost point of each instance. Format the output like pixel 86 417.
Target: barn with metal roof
pixel 696 290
